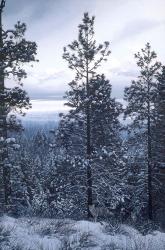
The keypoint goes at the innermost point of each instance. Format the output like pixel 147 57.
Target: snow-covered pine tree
pixel 160 124
pixel 40 146
pixel 108 155
pixel 160 146
pixel 29 179
pixel 141 107
pixel 14 51
pixel 107 160
pixel 84 58
pixel 70 135
pixel 136 172
pixel 105 112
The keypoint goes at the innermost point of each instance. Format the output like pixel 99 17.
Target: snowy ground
pixel 51 234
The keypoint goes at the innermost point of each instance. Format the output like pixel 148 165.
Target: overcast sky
pixel 127 24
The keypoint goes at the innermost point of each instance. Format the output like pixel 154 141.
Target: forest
pixel 103 162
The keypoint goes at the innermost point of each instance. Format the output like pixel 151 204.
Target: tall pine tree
pixel 160 147
pixel 141 97
pixel 160 125
pixel 84 58
pixel 14 52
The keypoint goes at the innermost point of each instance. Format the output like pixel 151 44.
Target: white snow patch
pixel 53 234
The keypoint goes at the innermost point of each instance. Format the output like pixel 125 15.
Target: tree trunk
pixel 149 160
pixel 89 171
pixel 88 147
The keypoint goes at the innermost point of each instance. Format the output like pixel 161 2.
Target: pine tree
pixel 84 58
pixel 108 155
pixel 107 158
pixel 105 112
pixel 40 145
pixel 137 172
pixel 160 147
pixel 29 175
pixel 70 135
pixel 14 51
pixel 141 97
pixel 160 124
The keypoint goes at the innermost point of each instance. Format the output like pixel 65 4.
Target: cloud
pixel 52 90
pixel 136 28
pixel 51 76
pixel 49 84
pixel 37 7
pixel 129 72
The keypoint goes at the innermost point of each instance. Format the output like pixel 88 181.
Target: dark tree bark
pixel 149 157
pixel 88 147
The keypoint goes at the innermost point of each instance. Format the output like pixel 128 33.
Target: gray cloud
pixel 37 6
pixel 37 93
pixel 132 73
pixel 54 76
pixel 136 27
pixel 50 86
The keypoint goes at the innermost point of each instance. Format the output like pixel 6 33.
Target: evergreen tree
pixel 14 51
pixel 137 173
pixel 70 135
pixel 30 172
pixel 141 97
pixel 160 147
pixel 105 112
pixel 40 146
pixel 108 156
pixel 160 125
pixel 84 58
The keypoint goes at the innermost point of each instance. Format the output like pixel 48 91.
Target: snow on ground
pixel 53 234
